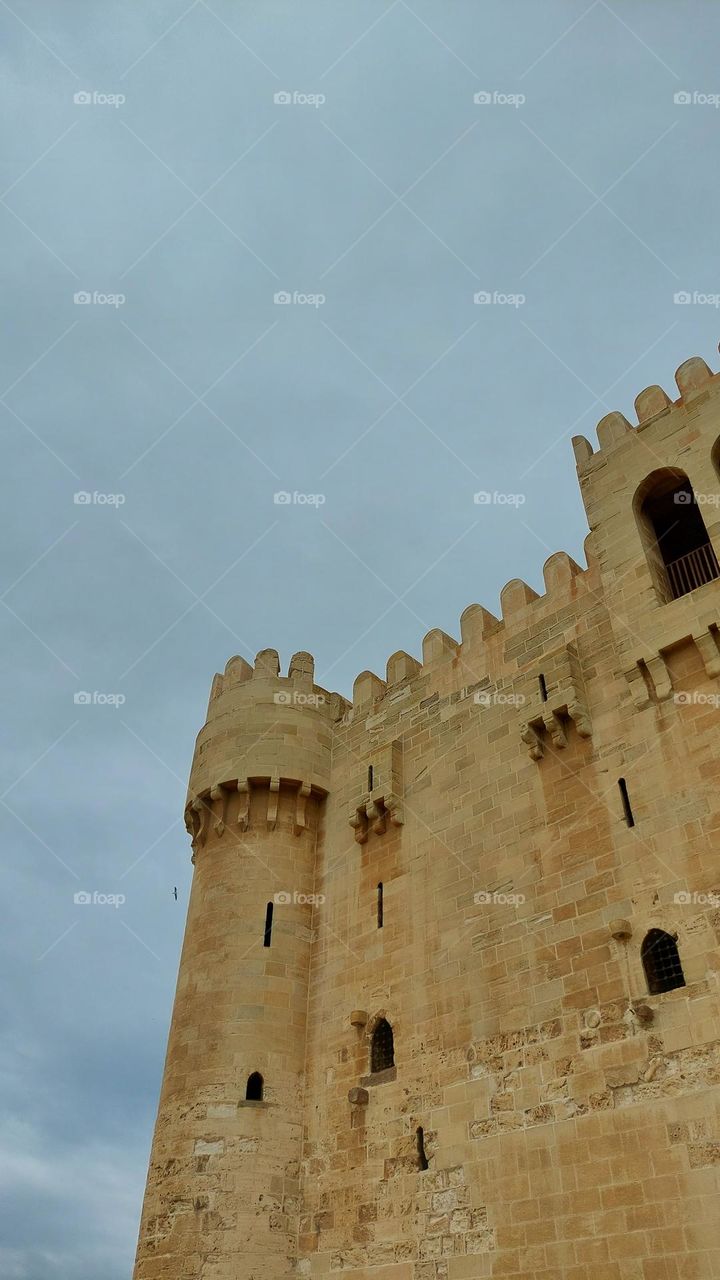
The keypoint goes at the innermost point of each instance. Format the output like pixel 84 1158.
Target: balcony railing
pixel 693 570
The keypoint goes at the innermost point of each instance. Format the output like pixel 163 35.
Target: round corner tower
pixel 221 1200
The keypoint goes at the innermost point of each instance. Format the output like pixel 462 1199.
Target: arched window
pixel 676 541
pixel 254 1089
pixel 420 1139
pixel 661 962
pixel 382 1050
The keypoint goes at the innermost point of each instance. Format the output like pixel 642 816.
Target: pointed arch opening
pixel 382 1047
pixel 254 1088
pixel 675 539
pixel 661 962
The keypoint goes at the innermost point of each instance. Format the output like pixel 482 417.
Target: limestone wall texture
pixel 571 1117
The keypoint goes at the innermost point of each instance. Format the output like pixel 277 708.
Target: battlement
pixel 694 378
pixel 297 687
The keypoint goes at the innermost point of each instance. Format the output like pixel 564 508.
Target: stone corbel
pixel 709 652
pixel 218 792
pixel 553 725
pixel 376 816
pixel 393 806
pixel 301 808
pixel 533 741
pixel 660 677
pixel 273 798
pixel 243 818
pixel 192 823
pixel 204 813
pixel 358 820
pixel 638 689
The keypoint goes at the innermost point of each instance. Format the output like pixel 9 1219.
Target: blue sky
pixel 157 197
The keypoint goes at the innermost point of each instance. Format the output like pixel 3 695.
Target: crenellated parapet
pixel 265 747
pixel 694 378
pixel 481 655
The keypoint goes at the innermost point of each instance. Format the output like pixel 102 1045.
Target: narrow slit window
pixel 254 1087
pixel 627 807
pixel 422 1158
pixel 371 777
pixel 382 1050
pixel 380 906
pixel 267 936
pixel 543 687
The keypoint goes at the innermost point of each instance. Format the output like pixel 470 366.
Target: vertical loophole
pixel 543 687
pixel 370 777
pixel 627 807
pixel 380 906
pixel 422 1158
pixel 267 936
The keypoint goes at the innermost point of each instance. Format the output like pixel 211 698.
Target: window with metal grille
pixel 661 962
pixel 254 1089
pixel 382 1050
pixel 677 544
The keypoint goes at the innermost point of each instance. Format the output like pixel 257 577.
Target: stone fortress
pixel 448 996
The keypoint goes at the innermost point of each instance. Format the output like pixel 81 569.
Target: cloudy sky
pixel 158 195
